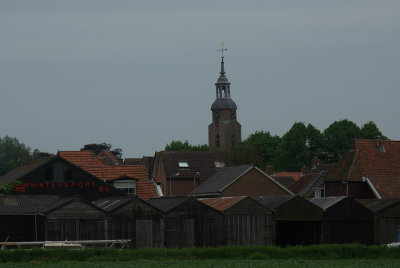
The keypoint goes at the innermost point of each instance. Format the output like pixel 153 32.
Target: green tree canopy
pixel 370 131
pixel 293 152
pixel 339 138
pixel 185 146
pixel 13 154
pixel 265 145
pixel 243 154
pixel 98 147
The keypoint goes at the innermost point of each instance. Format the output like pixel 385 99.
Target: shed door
pixel 91 230
pixel 60 230
pixel 188 229
pixel 179 233
pixel 144 233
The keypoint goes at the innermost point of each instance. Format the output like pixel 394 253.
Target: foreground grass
pixel 255 253
pixel 365 263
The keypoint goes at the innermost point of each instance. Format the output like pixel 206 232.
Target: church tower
pixel 225 130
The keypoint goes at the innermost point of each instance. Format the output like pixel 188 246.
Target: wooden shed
pixel 345 220
pixel 132 218
pixel 297 220
pixel 386 219
pixel 50 218
pixel 74 219
pixel 190 223
pixel 246 221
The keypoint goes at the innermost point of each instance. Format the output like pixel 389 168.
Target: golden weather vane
pixel 222 49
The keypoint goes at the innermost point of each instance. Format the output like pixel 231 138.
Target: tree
pixel 185 146
pixel 265 145
pixel 98 147
pixel 339 138
pixel 371 131
pixel 293 152
pixel 243 154
pixel 314 142
pixel 13 154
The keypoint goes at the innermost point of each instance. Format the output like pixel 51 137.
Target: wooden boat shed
pixel 345 220
pixel 246 221
pixel 297 220
pixel 386 219
pixel 190 223
pixel 50 218
pixel 132 218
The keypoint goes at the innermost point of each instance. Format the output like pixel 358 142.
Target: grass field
pixel 351 255
pixel 382 263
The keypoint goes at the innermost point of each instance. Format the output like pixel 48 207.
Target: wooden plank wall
pixel 386 230
pixel 246 230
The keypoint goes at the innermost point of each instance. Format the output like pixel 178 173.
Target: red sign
pixel 59 185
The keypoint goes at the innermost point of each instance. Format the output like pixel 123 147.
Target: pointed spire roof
pixel 222 66
pixel 222 79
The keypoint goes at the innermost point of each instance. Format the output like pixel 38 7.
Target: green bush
pixel 315 252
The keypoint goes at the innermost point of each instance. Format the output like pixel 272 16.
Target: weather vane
pixel 222 49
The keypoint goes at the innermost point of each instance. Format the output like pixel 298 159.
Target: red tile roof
pixel 89 162
pixel 302 182
pixel 381 167
pixel 221 203
pixel 295 175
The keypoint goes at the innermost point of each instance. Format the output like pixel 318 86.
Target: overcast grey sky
pixel 138 74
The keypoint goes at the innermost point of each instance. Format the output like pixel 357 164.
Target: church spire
pixel 225 130
pixel 222 57
pixel 222 66
pixel 222 85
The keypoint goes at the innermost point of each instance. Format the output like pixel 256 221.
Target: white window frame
pixel 126 186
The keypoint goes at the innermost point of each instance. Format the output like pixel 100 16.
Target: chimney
pixel 379 146
pixel 270 170
pixel 149 169
pixel 378 142
pixel 315 163
pixel 304 170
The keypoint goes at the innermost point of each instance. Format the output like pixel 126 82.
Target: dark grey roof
pixel 112 203
pixel 222 79
pixel 23 170
pixel 326 202
pixel 224 104
pixel 166 204
pixel 274 201
pixel 220 179
pixel 30 205
pixel 202 161
pixel 379 204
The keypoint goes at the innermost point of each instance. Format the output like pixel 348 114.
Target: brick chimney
pixel 270 170
pixel 304 170
pixel 315 163
pixel 379 146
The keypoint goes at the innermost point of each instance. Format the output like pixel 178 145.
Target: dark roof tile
pixel 220 179
pixel 381 167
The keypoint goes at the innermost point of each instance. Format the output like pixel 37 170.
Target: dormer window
pixel 127 186
pixel 183 164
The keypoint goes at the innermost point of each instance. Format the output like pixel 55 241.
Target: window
pixel 126 186
pixel 319 193
pixel 183 164
pixel 217 141
pixel 233 140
